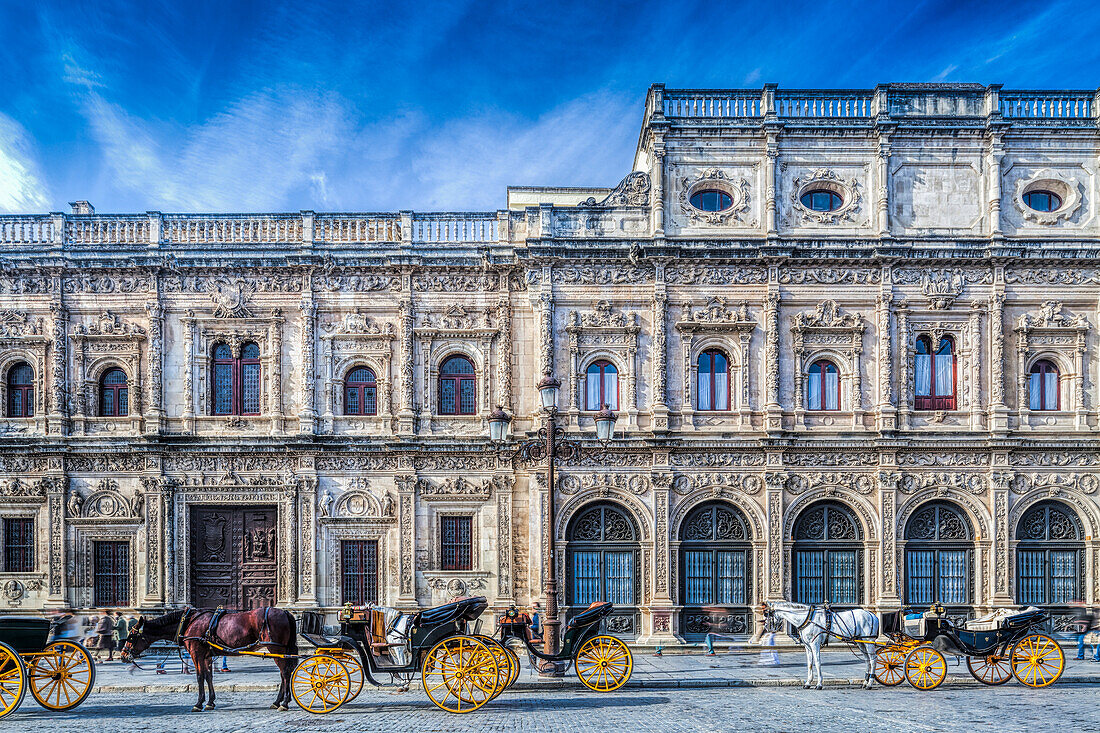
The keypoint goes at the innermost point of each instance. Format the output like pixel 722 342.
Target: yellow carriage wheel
pixel 515 665
pixel 320 684
pixel 604 663
pixel 351 662
pixel 996 669
pixel 504 662
pixel 13 680
pixel 460 674
pixel 61 676
pixel 1037 660
pixel 890 665
pixel 925 668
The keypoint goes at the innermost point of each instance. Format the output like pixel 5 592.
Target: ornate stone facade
pixel 921 244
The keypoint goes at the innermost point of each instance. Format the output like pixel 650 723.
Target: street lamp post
pixel 549 445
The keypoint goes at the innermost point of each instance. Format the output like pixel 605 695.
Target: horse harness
pixel 210 636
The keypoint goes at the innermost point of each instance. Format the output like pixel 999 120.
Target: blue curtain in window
pixel 842 571
pixel 813 389
pixel 952 566
pixel 620 577
pixel 1030 567
pixel 810 565
pixel 922 375
pixel 721 383
pixel 832 388
pixel 1050 390
pixel 731 578
pixel 945 372
pixel 611 387
pixel 1063 576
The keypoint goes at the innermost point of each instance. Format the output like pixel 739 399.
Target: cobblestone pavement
pixel 1010 708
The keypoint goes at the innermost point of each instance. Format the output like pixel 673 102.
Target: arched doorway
pixel 602 552
pixel 715 572
pixel 1050 560
pixel 828 556
pixel 939 557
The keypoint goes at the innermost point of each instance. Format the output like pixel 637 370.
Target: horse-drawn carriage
pixel 997 648
pixel 602 663
pixel 59 674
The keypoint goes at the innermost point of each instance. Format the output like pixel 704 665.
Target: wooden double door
pixel 234 556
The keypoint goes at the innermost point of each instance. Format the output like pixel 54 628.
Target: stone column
pixel 307 413
pixel 55 487
pixel 58 418
pixel 1001 538
pixel 882 198
pixel 774 417
pixel 994 155
pixel 155 413
pixel 405 422
pixel 771 154
pixel 328 399
pixel 887 413
pixel 292 493
pixel 170 518
pixel 661 607
pixel 546 326
pixel 189 372
pixel 857 384
pixel 775 483
pixel 658 186
pixel 660 354
pixel 155 520
pixel 999 417
pixel 1080 351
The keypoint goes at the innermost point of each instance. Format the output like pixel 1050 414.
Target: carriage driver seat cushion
pixel 590 615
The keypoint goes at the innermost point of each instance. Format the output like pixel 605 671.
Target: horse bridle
pixel 773 625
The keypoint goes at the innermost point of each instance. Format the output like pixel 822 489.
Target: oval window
pixel 711 200
pixel 1043 200
pixel 821 200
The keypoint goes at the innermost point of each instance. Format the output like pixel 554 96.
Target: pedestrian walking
pixel 769 657
pixel 536 621
pixel 122 629
pixel 105 633
pixel 1082 622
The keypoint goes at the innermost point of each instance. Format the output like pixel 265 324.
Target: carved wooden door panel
pixel 233 556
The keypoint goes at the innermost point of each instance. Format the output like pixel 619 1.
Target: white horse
pixel 814 625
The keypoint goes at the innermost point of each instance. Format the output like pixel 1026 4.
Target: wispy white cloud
pixel 21 186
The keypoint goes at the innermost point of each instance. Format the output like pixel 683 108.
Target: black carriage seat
pixel 590 615
pixel 466 609
pixel 1028 617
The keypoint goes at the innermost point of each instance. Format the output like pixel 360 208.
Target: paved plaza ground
pixel 676 692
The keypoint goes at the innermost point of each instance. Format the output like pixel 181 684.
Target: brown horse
pixel 271 628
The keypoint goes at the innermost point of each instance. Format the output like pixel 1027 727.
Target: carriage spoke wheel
pixel 515 665
pixel 925 668
pixel 996 669
pixel 320 684
pixel 890 666
pixel 350 660
pixel 604 663
pixel 13 680
pixel 460 674
pixel 61 676
pixel 504 662
pixel 1037 660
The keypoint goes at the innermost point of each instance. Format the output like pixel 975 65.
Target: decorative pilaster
pixel 55 511
pixel 775 482
pixel 189 372
pixel 546 325
pixel 1079 350
pixel 504 355
pixel 505 541
pixel 995 153
pixel 307 414
pixel 155 520
pixel 58 418
pixel 275 392
pixel 405 422
pixel 329 396
pixel 887 413
pixel 406 487
pixel 771 153
pixel 660 355
pixel 168 497
pixel 974 359
pixel 1000 481
pixel 904 366
pixel 155 412
pixel 888 492
pixel 999 416
pixel 774 416
pixel 882 184
pixel 657 182
pixel 307 564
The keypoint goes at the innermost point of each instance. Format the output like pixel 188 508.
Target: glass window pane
pixel 370 403
pixel 952 581
pixel 1034 391
pixel 704 390
pixel 922 375
pixel 250 382
pixel 223 389
pixel 831 388
pixel 611 387
pixel 697 577
pixel 351 400
pixel 842 576
pixel 813 388
pixel 592 390
pixel 447 396
pixel 586 578
pixel 920 573
pixel 731 578
pixel 1050 390
pixel 1063 576
pixel 108 406
pixel 1031 568
pixel 468 405
pixel 620 577
pixel 721 391
pixel 810 569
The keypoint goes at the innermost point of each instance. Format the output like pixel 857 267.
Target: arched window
pixel 938 550
pixel 360 392
pixel 1043 386
pixel 934 375
pixel 1050 556
pixel 602 386
pixel 603 548
pixel 113 394
pixel 714 381
pixel 457 387
pixel 21 390
pixel 716 589
pixel 235 382
pixel 828 555
pixel 823 386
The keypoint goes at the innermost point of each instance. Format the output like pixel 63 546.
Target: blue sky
pixel 271 106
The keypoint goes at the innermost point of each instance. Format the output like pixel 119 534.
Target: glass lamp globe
pixel 499 421
pixel 605 423
pixel 548 392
